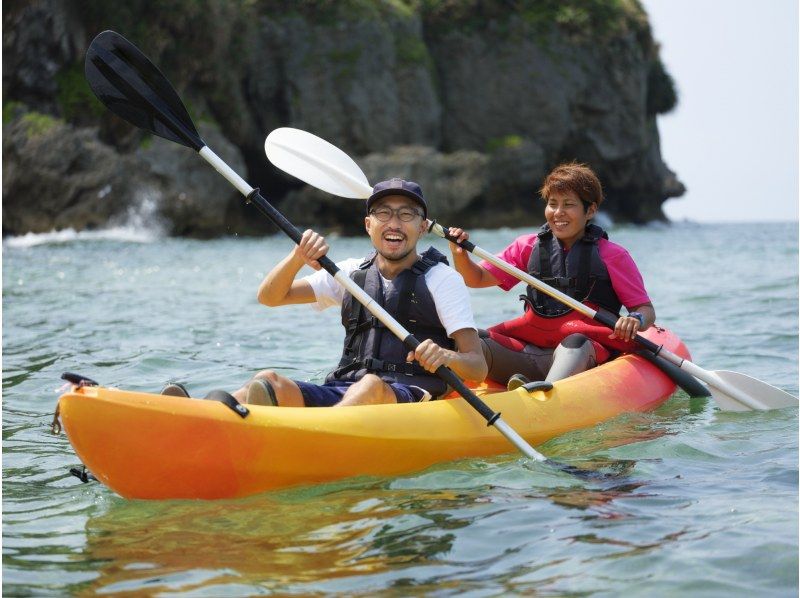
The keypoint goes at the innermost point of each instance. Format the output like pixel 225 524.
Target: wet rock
pixel 476 100
pixel 56 176
pixel 193 196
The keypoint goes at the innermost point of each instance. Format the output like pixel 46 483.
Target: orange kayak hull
pixel 152 446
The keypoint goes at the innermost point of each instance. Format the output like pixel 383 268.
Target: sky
pixel 733 138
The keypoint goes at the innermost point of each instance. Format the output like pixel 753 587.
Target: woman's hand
pixel 626 329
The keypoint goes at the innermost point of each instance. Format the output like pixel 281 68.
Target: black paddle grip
pixel 468 245
pixel 686 381
pixel 608 319
pixel 458 385
pixel 277 218
pixel 290 229
pixel 470 397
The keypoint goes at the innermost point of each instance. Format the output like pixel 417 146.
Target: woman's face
pixel 564 213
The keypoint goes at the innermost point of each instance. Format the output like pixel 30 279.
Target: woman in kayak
pixel 550 341
pixel 420 291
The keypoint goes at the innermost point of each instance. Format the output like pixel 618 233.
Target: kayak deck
pixel 152 446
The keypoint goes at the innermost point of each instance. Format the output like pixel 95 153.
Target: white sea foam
pixel 141 223
pixel 126 233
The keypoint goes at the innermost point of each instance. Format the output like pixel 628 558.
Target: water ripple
pixel 672 501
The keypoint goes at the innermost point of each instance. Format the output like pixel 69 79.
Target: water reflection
pixel 271 540
pixel 628 548
pixel 299 538
pixel 355 527
pixel 501 527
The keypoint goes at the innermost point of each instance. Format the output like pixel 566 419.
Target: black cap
pixel 398 187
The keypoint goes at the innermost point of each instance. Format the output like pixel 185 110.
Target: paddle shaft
pixel 411 343
pixel 325 166
pixel 605 318
pixel 132 87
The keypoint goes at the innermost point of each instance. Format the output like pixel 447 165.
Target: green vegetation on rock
pixel 37 124
pixel 11 110
pixel 330 12
pixel 581 20
pixel 74 96
pixel 505 142
pixel 519 83
pixel 411 51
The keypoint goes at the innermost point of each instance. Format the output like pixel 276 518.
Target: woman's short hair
pixel 575 177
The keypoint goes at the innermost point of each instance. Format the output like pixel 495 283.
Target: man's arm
pixel 467 360
pixel 279 287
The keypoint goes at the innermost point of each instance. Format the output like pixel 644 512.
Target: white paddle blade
pixel 316 162
pixel 760 395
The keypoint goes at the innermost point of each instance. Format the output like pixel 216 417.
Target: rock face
pixel 57 176
pixel 474 100
pixel 193 197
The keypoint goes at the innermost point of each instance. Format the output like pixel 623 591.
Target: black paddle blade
pixel 133 88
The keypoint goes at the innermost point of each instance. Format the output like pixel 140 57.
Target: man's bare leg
pixel 370 390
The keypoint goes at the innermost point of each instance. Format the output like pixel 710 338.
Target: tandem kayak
pixel 153 446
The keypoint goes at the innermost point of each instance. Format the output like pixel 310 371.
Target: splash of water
pixel 141 223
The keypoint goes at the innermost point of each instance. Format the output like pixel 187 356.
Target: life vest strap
pixel 374 365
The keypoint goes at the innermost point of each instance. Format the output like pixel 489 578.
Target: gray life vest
pixel 579 273
pixel 369 347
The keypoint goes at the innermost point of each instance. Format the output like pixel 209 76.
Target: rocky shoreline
pixel 473 100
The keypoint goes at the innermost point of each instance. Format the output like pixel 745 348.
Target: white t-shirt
pixel 446 286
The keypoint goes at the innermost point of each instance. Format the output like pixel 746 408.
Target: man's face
pixel 395 238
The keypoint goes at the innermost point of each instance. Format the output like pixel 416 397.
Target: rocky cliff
pixel 475 99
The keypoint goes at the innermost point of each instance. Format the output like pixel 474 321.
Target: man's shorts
pixel 327 395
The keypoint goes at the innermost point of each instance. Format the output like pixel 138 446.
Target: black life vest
pixel 580 273
pixel 369 347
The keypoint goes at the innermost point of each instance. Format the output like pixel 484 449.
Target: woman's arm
pixel 628 326
pixel 648 312
pixel 474 275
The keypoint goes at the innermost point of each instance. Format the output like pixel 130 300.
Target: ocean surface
pixel 692 501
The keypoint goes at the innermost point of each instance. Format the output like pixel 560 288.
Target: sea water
pixel 688 500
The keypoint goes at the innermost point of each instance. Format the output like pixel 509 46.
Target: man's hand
pixel 312 246
pixel 430 355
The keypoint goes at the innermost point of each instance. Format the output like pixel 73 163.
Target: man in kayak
pixel 550 341
pixel 421 291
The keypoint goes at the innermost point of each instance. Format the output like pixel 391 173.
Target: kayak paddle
pixel 131 86
pixel 323 165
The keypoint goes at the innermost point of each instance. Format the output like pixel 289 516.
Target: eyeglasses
pixel 384 214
